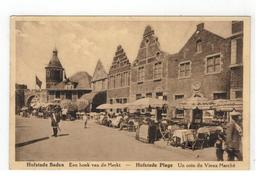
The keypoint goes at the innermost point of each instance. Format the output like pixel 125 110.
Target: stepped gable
pixel 100 72
pixel 120 60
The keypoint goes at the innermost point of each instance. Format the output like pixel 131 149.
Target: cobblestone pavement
pixel 95 143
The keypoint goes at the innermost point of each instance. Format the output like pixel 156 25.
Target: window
pixel 222 95
pixel 185 69
pixel 118 100
pixel 111 101
pixel 149 95
pixel 178 97
pixel 213 64
pixel 198 46
pixel 124 100
pixel 239 94
pixel 236 51
pixel 48 73
pixel 157 73
pixel 69 95
pixel 127 78
pixel 69 86
pixel 138 96
pixel 140 74
pixel 112 82
pixel 56 75
pixel 123 79
pixel 57 94
pixel 159 95
pixel 117 83
pixel 179 113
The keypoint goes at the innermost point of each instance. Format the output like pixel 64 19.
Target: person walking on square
pixel 85 119
pixel 55 122
pixel 233 138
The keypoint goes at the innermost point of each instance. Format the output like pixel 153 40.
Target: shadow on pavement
pixel 30 142
pixel 36 140
pixel 60 135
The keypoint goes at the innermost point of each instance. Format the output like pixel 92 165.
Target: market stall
pixel 200 110
pixel 224 107
pixel 148 128
pixel 195 110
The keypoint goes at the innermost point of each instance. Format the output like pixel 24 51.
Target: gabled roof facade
pixel 149 49
pixel 99 73
pixel 120 61
pixel 209 41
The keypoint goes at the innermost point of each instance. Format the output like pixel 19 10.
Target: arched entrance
pixel 31 99
pixel 98 99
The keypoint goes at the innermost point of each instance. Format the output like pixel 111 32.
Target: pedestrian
pixel 233 138
pixel 85 119
pixel 55 122
pixel 64 113
pixel 219 148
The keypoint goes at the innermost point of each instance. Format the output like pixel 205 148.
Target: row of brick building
pixel 207 66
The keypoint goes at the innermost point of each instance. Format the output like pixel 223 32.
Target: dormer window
pixel 198 46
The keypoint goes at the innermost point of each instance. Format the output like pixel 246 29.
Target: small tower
pixel 54 71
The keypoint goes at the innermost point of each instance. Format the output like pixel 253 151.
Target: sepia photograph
pixel 129 92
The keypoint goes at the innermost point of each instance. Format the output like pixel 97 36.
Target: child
pixel 219 148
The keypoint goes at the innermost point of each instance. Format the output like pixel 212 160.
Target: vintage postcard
pixel 130 92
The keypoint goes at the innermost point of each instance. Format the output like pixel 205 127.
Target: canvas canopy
pixel 147 102
pixel 193 103
pixel 105 106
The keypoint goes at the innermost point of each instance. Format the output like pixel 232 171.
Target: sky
pixel 81 43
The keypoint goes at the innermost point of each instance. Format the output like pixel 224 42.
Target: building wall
pixel 41 95
pixel 236 66
pixel 19 96
pixel 149 85
pixel 206 83
pixel 119 78
pixel 100 85
pixel 153 62
pixel 120 93
pixel 73 95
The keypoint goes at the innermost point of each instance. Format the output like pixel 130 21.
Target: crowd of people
pixel 228 141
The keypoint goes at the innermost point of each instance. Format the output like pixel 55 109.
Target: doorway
pixel 197 115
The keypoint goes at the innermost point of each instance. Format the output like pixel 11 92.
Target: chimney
pixel 237 26
pixel 200 27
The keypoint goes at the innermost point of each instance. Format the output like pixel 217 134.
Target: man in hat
pixel 233 137
pixel 55 121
